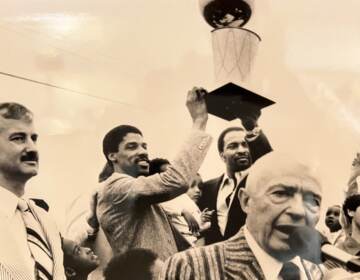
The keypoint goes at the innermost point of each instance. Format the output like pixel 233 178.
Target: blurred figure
pixel 79 261
pixel 158 165
pixel 354 180
pixel 351 209
pixel 332 221
pixel 186 216
pixel 135 264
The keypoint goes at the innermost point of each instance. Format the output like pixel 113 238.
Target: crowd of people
pixel 157 219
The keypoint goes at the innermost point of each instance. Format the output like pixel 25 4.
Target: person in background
pixel 135 264
pixel 186 216
pixel 332 221
pixel 351 209
pixel 79 261
pixel 238 148
pixel 354 180
pixel 158 165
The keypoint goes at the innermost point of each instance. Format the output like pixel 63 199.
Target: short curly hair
pixel 350 204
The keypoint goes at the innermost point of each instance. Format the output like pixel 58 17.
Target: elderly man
pixel 280 195
pixel 127 208
pixel 30 245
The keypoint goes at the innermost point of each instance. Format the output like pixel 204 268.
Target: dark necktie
pixel 290 271
pixel 38 245
pixel 228 198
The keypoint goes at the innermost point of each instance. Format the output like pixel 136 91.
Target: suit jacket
pixel 236 217
pixel 230 259
pixel 11 267
pixel 128 209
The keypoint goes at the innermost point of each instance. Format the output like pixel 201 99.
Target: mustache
pixel 30 156
pixel 141 158
pixel 244 154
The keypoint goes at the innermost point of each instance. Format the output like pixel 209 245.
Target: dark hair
pixel 15 111
pixel 220 143
pixel 111 143
pixel 350 204
pixel 135 264
pixel 106 172
pixel 155 165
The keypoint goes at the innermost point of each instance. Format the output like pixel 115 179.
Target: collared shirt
pixel 13 223
pixel 270 266
pixel 227 188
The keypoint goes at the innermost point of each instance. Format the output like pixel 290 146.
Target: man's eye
pixel 280 196
pixel 131 147
pixel 311 200
pixel 18 139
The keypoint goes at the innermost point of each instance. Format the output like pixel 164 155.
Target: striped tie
pixel 38 244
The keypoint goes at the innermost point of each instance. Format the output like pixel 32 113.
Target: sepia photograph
pixel 198 139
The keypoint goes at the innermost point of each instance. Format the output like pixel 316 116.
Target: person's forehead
pixel 333 209
pixel 301 183
pixel 235 135
pixel 133 137
pixel 12 126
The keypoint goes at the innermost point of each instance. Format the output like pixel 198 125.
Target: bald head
pixel 276 168
pixel 281 194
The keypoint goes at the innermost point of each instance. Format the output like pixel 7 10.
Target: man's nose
pixel 297 206
pixel 242 149
pixel 31 145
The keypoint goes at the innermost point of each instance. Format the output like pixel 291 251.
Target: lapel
pixel 240 262
pixel 214 190
pixel 52 235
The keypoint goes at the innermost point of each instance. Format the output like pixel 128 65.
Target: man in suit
pixel 238 148
pixel 280 195
pixel 29 241
pixel 127 208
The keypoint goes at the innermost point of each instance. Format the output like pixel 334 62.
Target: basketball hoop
pixel 234 51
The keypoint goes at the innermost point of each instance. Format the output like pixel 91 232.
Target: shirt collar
pixel 8 202
pixel 270 266
pixel 238 175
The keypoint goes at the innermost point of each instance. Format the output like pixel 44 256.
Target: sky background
pixel 132 62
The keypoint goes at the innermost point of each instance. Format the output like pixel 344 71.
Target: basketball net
pixel 234 51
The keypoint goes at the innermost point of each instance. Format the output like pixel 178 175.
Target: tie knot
pixel 290 271
pixel 22 205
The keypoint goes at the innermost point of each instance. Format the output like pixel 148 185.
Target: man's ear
pixel 112 157
pixel 351 213
pixel 222 156
pixel 70 272
pixel 244 200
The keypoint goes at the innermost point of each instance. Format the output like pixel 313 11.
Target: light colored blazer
pixel 230 259
pixel 11 262
pixel 128 209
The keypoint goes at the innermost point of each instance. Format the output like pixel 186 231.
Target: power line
pixel 62 88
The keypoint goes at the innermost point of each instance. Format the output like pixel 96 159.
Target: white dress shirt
pixel 227 187
pixel 270 266
pixel 13 242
